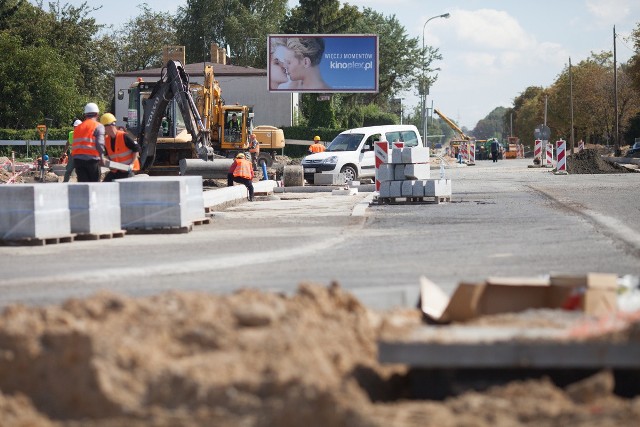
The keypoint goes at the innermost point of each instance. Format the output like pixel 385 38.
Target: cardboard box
pixel 594 293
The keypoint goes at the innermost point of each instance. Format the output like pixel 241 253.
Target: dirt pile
pixel 245 359
pixel 589 161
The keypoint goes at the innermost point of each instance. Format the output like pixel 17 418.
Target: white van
pixel 351 152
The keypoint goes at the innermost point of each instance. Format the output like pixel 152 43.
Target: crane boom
pixel 453 126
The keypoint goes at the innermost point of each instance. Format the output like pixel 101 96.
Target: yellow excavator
pixel 462 137
pixel 182 120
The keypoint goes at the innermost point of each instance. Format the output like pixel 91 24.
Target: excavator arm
pixel 173 83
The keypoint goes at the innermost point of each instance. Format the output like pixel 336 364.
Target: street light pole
pixel 425 86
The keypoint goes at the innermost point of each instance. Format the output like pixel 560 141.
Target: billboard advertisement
pixel 323 63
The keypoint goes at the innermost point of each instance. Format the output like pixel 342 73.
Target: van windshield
pixel 346 142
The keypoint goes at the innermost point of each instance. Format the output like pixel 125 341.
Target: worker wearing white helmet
pixel 88 145
pixel 66 156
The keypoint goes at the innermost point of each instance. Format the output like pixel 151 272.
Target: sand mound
pixel 246 359
pixel 589 162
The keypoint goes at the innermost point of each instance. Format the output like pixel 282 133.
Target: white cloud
pixel 488 29
pixel 609 11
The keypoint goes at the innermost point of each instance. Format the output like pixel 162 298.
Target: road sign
pixel 542 132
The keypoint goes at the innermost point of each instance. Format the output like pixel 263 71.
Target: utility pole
pixel 571 103
pixel 616 145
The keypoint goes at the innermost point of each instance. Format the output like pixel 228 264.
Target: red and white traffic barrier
pixel 580 145
pixel 537 151
pixel 381 150
pixel 561 151
pixel 549 155
pixel 398 144
pixel 472 153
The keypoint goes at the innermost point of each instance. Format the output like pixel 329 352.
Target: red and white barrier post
pixel 537 152
pixel 472 153
pixel 580 145
pixel 561 150
pixel 381 150
pixel 549 155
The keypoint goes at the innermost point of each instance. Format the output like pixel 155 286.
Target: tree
pixel 492 126
pixel 634 62
pixel 30 97
pixel 140 41
pixel 241 24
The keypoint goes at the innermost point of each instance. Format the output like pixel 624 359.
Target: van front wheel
pixel 349 172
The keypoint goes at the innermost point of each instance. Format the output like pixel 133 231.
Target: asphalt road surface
pixel 505 219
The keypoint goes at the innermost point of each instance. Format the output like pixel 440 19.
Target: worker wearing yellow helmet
pixel 317 146
pixel 87 147
pixel 120 148
pixel 241 171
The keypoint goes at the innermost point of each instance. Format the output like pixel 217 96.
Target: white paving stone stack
pixel 34 211
pixel 94 207
pixel 161 202
pixel 407 175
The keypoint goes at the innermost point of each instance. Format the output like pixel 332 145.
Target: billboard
pixel 323 63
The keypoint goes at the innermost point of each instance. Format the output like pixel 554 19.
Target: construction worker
pixel 67 153
pixel 234 123
pixel 241 172
pixel 317 146
pixel 87 147
pixel 254 149
pixel 120 148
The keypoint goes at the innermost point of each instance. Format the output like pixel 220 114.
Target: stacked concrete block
pixel 34 211
pixel 160 202
pixel 94 207
pixel 329 179
pixel 407 175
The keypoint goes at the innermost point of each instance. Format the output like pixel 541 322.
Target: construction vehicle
pixel 454 143
pixel 511 150
pixel 183 120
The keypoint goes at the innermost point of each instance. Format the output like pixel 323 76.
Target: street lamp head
pixel 445 15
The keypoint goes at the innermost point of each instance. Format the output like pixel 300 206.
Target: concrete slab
pixel 329 179
pixel 39 211
pixel 94 207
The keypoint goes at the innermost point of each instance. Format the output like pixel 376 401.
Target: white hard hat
pixel 76 123
pixel 91 108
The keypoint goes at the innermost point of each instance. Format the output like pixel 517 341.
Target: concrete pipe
pixel 293 176
pixel 212 169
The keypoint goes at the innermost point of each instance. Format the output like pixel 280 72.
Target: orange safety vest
pixel 317 148
pixel 122 153
pixel 84 140
pixel 243 168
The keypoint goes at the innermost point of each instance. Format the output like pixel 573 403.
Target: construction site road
pixel 505 219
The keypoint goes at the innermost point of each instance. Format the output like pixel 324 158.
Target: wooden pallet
pixel 34 241
pixel 161 230
pixel 100 236
pixel 425 200
pixel 202 221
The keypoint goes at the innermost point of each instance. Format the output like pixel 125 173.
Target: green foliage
pixel 30 97
pixel 140 41
pixel 492 126
pixel 243 25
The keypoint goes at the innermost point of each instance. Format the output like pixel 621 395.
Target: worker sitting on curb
pixel 317 146
pixel 241 172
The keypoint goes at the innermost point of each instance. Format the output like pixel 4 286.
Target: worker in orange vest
pixel 241 172
pixel 317 146
pixel 88 145
pixel 254 149
pixel 120 148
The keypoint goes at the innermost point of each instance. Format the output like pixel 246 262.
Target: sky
pixel 492 49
